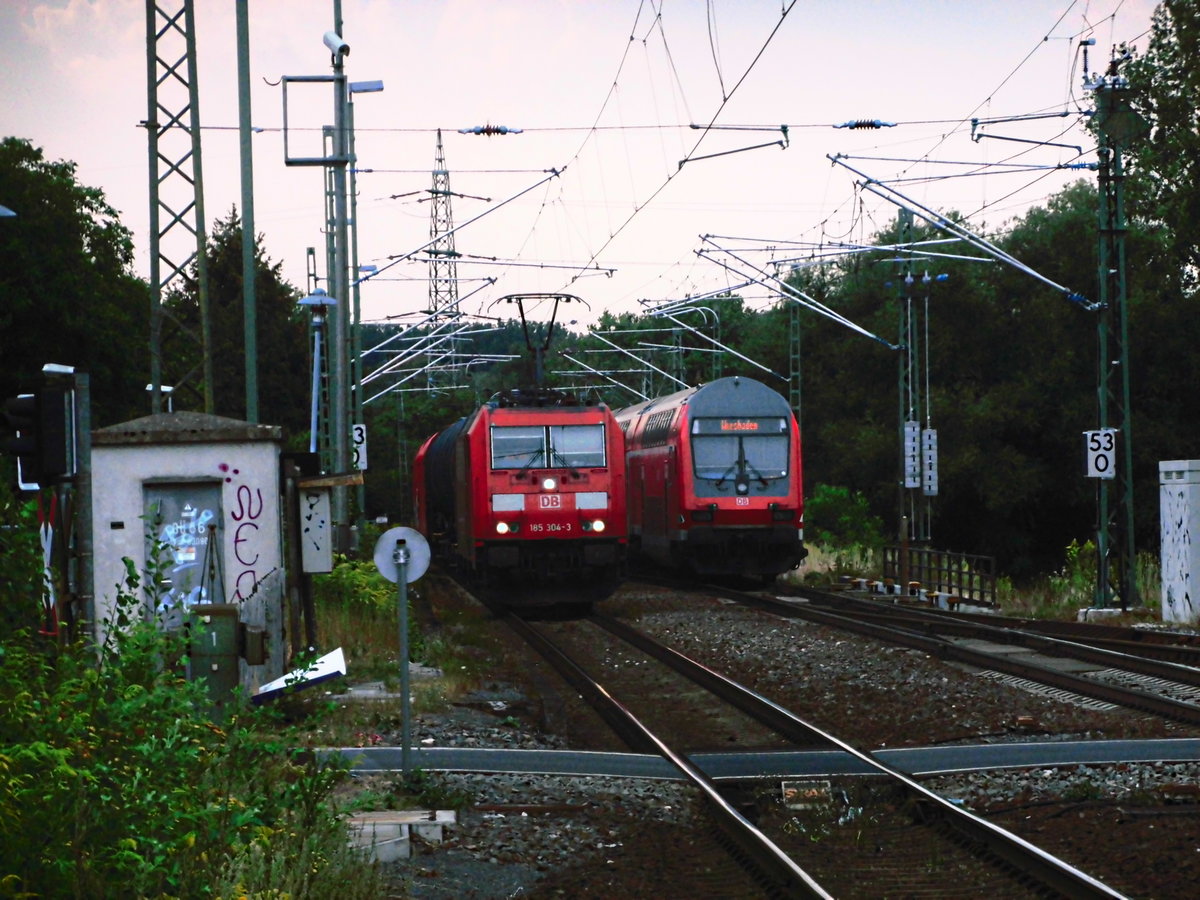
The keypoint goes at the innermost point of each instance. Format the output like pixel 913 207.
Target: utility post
pixel 336 161
pixel 249 265
pixel 794 371
pixel 908 398
pixel 358 419
pixel 1117 126
pixel 339 282
pixel 918 441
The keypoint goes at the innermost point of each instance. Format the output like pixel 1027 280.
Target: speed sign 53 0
pixel 1101 449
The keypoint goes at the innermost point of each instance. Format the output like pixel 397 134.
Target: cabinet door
pixel 184 542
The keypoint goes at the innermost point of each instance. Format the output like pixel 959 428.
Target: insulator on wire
pixel 859 124
pixel 490 130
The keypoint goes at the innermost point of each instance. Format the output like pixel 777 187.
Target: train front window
pixel 518 446
pixel 577 446
pixel 723 449
pixel 547 446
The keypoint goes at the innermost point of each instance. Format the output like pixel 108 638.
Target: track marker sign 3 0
pixel 360 446
pixel 1101 449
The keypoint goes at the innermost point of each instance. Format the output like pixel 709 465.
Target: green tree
pixel 67 291
pixel 284 386
pixel 1165 90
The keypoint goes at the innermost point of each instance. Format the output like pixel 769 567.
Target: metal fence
pixel 959 574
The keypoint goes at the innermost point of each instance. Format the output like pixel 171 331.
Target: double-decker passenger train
pixel 715 480
pixel 526 497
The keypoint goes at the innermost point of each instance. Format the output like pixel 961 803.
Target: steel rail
pixel 1168 646
pixel 778 873
pixel 1168 708
pixel 1025 858
pixel 1053 646
pixel 1099 633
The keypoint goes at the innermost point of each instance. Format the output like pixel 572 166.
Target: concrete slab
pixel 992 647
pixel 387 834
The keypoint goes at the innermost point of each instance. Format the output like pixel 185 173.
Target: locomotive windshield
pixel 547 446
pixel 727 448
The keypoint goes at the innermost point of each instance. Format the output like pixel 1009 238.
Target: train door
pixel 670 490
pixel 183 534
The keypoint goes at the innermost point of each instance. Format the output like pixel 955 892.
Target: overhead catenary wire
pixel 940 222
pixel 672 175
pixel 650 30
pixel 761 276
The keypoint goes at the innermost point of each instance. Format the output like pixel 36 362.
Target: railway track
pixel 896 813
pixel 1135 680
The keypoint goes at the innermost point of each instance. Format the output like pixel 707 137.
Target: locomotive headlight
pixel 743 488
pixel 598 526
pixel 549 484
pixel 506 528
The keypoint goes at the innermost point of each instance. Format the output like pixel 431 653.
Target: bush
pixel 836 519
pixel 356 607
pixel 116 779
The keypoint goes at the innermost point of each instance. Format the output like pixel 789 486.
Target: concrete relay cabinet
pixel 1179 518
pixel 203 492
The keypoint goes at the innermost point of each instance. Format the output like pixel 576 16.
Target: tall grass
pixel 825 566
pixel 1061 594
pixel 1058 595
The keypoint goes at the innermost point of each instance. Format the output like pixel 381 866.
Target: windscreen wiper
pixel 534 456
pixel 757 474
pixel 728 472
pixel 554 454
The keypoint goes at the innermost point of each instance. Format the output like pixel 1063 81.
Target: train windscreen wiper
pixel 733 468
pixel 750 467
pixel 739 464
pixel 534 456
pixel 555 454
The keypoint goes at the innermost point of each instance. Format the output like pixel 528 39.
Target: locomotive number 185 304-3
pixel 560 527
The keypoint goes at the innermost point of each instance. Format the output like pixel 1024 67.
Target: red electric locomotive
pixel 526 496
pixel 715 481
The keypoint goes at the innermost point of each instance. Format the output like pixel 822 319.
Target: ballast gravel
pixel 556 836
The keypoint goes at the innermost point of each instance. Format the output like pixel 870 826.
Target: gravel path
pixel 1133 826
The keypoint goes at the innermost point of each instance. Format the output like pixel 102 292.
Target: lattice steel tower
pixel 1117 127
pixel 443 265
pixel 177 230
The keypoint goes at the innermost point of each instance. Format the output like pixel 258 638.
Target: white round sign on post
pixel 418 554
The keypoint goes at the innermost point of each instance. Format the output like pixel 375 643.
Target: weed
pixel 1061 594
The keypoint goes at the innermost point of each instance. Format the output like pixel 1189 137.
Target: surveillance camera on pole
pixel 336 45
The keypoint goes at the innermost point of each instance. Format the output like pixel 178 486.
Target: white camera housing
pixel 336 45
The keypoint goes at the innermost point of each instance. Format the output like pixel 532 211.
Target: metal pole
pixel 340 322
pixel 356 323
pixel 297 586
pixel 1116 555
pixel 318 324
pixel 400 556
pixel 249 299
pixel 86 607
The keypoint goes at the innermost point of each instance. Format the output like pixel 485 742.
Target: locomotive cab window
pixel 724 449
pixel 518 446
pixel 547 447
